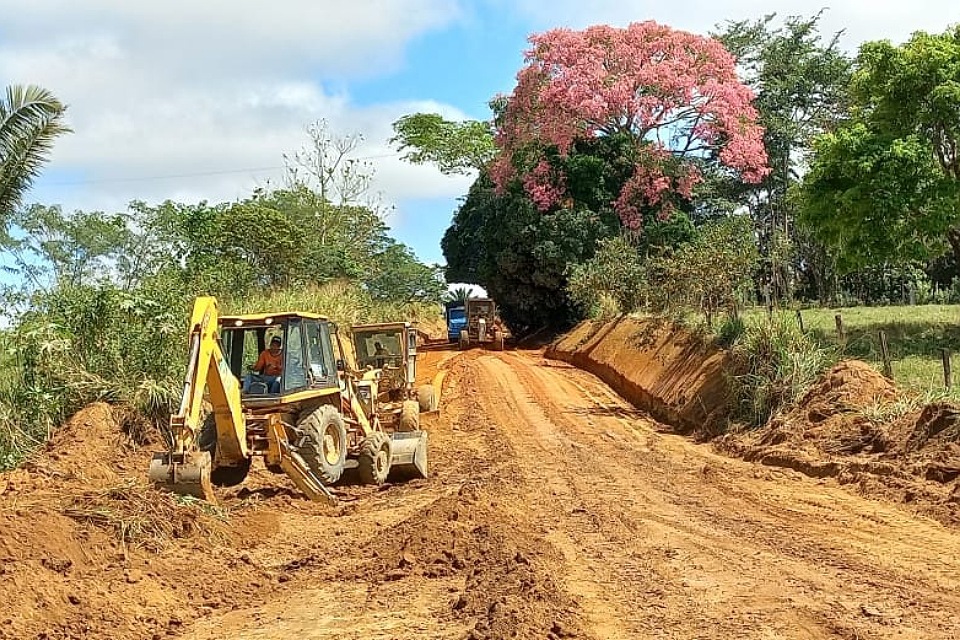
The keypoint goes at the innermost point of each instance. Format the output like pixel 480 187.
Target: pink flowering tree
pixel 674 94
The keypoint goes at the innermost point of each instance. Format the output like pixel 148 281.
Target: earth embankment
pixel 658 366
pixel 850 426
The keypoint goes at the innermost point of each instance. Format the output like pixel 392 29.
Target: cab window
pixel 294 365
pixel 320 360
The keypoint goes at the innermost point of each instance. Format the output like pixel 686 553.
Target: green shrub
pixel 774 363
pixel 79 344
pixel 730 329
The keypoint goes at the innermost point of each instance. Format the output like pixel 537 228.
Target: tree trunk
pixel 953 237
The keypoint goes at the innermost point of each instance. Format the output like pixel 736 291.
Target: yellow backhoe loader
pixel 315 419
pixel 387 353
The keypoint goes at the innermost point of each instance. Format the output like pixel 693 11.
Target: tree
pixel 454 147
pixel 801 81
pixel 459 295
pixel 519 255
pixel 713 270
pixel 397 276
pixel 885 186
pixel 674 95
pixel 83 248
pixel 612 280
pixel 325 165
pixel 31 118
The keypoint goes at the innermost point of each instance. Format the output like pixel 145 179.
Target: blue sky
pixel 201 100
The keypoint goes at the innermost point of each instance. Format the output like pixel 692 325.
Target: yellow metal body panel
pixel 278 402
pixel 208 368
pixel 261 318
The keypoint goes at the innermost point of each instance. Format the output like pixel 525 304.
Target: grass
pixel 343 303
pixel 144 517
pixel 774 363
pixel 46 374
pixel 915 337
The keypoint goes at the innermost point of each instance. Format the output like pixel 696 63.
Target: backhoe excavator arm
pixel 185 469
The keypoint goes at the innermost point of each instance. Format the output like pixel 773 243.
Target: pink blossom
pixel 644 80
pixel 543 187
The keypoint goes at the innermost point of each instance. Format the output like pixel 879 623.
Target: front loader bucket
pixel 186 474
pixel 409 455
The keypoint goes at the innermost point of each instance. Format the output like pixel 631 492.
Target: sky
pixel 196 100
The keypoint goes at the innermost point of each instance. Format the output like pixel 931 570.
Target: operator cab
pixel 379 348
pixel 306 352
pixel 390 348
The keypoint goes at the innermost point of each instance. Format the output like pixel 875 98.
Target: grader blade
pixel 409 454
pixel 186 474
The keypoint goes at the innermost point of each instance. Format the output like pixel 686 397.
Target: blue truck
pixel 456 316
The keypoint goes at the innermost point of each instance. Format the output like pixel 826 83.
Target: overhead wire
pixel 197 174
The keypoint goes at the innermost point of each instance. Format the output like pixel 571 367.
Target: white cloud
pixel 163 89
pixel 222 88
pixel 860 19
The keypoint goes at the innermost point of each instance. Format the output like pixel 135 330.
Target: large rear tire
pixel 325 443
pixel 220 475
pixel 373 463
pixel 409 416
pixel 427 398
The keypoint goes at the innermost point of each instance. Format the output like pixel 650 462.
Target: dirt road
pixel 556 510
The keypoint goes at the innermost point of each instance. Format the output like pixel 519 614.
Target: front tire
pixel 325 443
pixel 427 398
pixel 373 463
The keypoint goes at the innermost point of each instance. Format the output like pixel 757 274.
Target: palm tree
pixel 460 294
pixel 31 118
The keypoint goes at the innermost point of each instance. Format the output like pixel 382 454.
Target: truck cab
pixel 456 316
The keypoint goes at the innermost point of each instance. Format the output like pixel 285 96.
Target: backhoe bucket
pixel 409 455
pixel 186 474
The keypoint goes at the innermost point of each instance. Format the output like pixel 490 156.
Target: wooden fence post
pixel 885 354
pixel 800 321
pixel 839 320
pixel 947 373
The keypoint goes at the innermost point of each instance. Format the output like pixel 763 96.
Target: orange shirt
pixel 269 364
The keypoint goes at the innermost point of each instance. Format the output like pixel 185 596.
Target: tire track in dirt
pixel 557 510
pixel 723 548
pixel 467 563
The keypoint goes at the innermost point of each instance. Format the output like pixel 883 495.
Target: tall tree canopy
pixel 886 185
pixel 674 94
pixel 31 118
pixel 454 147
pixel 801 80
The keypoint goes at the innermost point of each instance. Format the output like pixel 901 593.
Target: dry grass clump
pixel 145 517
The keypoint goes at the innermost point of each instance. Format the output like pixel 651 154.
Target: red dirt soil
pixel 835 430
pixel 555 510
pixel 657 366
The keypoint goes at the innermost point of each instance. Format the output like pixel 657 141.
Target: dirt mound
pixel 839 429
pixel 87 549
pixel 936 427
pixel 849 384
pixel 510 587
pixel 831 416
